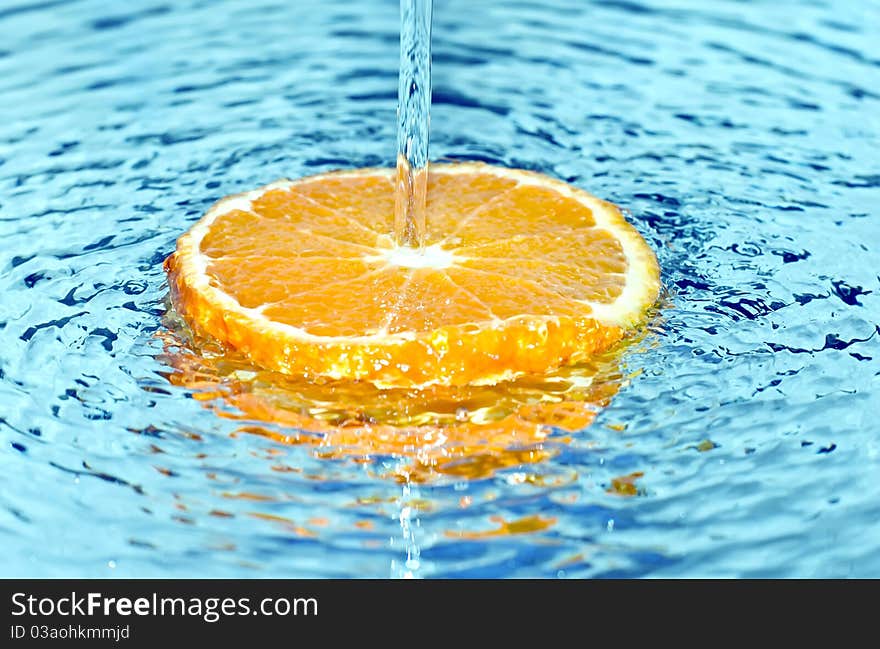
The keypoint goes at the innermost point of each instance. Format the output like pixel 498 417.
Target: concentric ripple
pixel 742 436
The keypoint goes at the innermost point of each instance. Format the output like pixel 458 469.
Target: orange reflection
pixel 463 432
pixel 525 525
pixel 625 485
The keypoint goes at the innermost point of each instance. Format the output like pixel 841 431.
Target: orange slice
pixel 521 274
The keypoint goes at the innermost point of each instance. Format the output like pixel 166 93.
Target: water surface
pixel 742 136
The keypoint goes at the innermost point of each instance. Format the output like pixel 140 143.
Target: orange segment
pixel 453 200
pixel 267 281
pixel 355 195
pixel 307 216
pixel 582 282
pixel 522 273
pixel 245 234
pixel 345 303
pixel 430 300
pixel 502 216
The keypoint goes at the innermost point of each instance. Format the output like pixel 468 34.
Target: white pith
pixel 434 256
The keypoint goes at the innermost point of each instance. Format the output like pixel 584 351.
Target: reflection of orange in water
pixel 525 525
pixel 625 485
pixel 466 432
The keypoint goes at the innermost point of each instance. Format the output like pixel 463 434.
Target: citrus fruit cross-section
pixel 521 273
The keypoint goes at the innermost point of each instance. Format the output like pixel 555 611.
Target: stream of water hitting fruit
pixel 413 123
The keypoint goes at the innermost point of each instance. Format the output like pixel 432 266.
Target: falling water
pixel 413 122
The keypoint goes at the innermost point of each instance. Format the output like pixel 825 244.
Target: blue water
pixel 743 136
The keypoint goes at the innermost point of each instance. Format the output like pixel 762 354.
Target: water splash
pixel 413 122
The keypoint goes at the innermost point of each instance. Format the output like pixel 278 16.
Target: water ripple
pixel 742 139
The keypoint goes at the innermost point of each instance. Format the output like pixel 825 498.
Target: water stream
pixel 413 122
